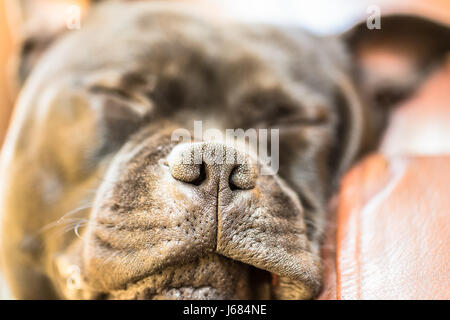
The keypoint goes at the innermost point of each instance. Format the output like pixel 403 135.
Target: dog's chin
pixel 188 293
pixel 212 277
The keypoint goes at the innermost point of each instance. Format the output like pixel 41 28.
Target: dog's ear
pixel 391 62
pixel 34 26
pixel 388 65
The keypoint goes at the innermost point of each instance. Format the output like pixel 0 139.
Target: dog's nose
pixel 195 163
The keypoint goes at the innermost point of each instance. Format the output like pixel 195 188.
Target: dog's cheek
pixel 70 277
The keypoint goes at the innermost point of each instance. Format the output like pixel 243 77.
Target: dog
pixel 96 200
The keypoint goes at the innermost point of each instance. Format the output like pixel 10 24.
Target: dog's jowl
pixel 99 201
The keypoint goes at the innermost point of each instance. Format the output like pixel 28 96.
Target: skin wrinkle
pixel 155 231
pixel 218 218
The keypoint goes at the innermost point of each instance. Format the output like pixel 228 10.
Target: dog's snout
pixel 195 163
pixel 243 177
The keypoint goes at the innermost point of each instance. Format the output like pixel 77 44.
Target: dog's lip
pixel 305 274
pixel 305 283
pixel 179 292
pixel 188 292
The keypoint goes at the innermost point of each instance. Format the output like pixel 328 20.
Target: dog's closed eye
pixel 119 114
pixel 276 108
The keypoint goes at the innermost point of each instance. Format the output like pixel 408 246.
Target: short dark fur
pixel 93 129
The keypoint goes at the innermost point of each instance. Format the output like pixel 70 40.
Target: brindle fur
pixel 91 134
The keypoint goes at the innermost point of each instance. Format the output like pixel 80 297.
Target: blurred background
pixel 319 16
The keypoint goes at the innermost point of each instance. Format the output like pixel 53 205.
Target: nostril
pixel 243 177
pixel 194 163
pixel 190 173
pixel 184 165
pixel 231 183
pixel 201 176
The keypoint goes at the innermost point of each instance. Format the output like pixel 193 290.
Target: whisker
pixel 75 226
pixel 81 223
pixel 110 257
pixel 64 218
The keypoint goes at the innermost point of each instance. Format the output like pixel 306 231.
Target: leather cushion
pixel 392 240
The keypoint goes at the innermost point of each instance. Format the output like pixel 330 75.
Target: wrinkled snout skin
pixel 98 204
pixel 174 238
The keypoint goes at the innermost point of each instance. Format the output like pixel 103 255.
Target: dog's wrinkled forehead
pixel 142 60
pixel 128 45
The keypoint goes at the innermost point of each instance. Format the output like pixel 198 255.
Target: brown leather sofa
pixel 389 234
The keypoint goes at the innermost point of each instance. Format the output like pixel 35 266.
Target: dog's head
pixel 92 147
